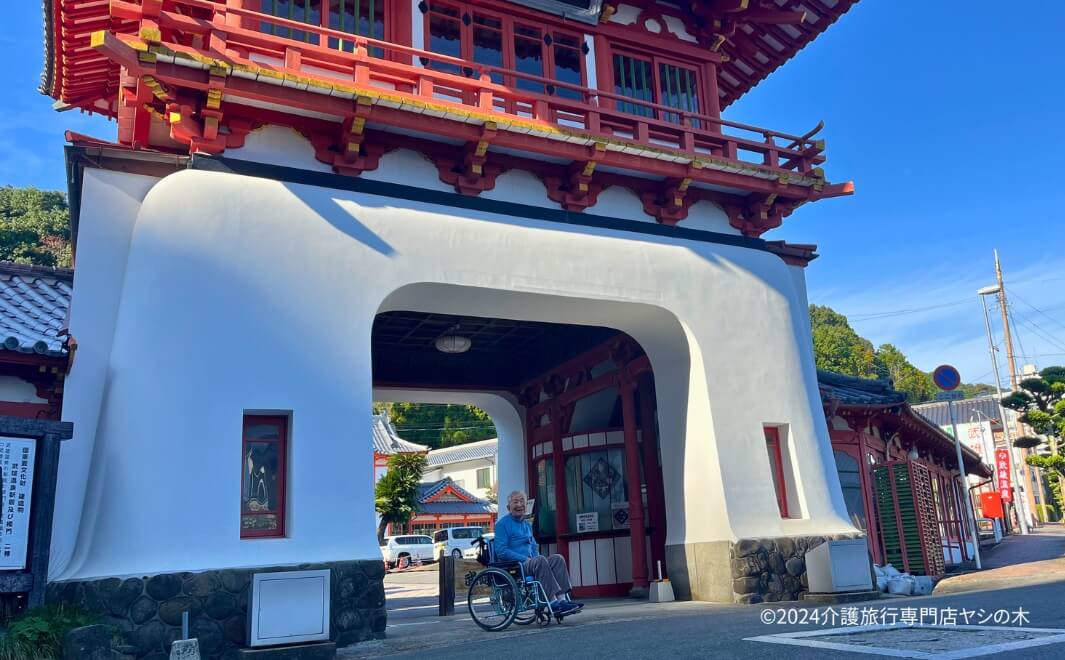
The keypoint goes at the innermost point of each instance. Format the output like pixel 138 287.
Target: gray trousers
pixel 550 572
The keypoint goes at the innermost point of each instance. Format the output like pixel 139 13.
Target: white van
pixel 455 541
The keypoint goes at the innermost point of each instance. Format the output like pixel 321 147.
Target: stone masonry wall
pixel 771 570
pixel 146 611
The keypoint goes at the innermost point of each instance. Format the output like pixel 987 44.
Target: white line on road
pixel 803 638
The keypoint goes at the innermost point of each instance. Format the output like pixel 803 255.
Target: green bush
pixel 38 633
pixel 1047 512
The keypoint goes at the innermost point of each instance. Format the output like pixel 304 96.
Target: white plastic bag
pixel 881 582
pixel 901 585
pixel 879 571
pixel 891 571
pixel 922 585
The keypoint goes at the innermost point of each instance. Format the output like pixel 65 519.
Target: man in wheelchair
pixel 514 542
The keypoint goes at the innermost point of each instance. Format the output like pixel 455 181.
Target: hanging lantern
pixel 453 343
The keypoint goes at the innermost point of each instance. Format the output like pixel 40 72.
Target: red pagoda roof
pixel 755 38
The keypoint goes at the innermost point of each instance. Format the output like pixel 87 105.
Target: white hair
pixel 513 493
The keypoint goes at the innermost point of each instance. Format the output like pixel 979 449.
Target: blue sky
pixel 947 116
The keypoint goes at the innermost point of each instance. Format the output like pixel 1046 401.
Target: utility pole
pixel 1005 325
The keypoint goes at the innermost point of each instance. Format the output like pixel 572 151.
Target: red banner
pixel 1003 483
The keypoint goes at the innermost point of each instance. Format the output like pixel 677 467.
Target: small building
pixel 386 443
pixel 34 356
pixel 873 428
pixel 444 503
pixel 472 466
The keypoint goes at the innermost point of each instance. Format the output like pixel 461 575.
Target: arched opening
pixel 574 398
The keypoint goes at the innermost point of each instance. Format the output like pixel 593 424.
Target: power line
pixel 1037 309
pixel 1042 334
pixel 901 312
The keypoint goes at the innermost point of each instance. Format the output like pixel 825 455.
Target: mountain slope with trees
pixel 34 227
pixel 837 347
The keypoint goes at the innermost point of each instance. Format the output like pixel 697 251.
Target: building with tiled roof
pixel 444 503
pixel 34 355
pixel 386 442
pixel 472 466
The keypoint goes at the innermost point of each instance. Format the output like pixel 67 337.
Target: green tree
pixel 396 493
pixel 917 384
pixel 34 227
pixel 837 347
pixel 1041 404
pixel 439 425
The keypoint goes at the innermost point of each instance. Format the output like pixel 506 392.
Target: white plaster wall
pixel 519 187
pixel 708 216
pixel 279 145
pixel 409 168
pixel 17 390
pixel 283 323
pixel 110 202
pixel 620 202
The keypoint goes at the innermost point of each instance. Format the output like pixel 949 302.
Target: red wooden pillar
pixel 637 533
pixel 561 505
pixel 656 497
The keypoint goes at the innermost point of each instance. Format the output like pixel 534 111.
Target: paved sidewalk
pixel 1019 560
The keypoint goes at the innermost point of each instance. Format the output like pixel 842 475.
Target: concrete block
pixel 185 649
pixel 662 592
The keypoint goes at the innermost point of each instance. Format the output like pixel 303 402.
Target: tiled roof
pixel 468 452
pixel 966 410
pixel 386 442
pixel 851 391
pixel 34 302
pixel 427 489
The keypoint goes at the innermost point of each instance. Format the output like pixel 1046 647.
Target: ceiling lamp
pixel 453 343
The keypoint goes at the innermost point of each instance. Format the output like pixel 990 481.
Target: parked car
pixel 454 541
pixel 400 551
pixel 471 552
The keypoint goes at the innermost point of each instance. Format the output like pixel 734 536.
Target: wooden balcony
pixel 339 64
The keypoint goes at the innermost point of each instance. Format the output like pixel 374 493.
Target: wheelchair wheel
pixel 493 599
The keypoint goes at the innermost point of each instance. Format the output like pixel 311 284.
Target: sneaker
pixel 565 607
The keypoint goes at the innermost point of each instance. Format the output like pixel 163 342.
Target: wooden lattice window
pixel 540 52
pixel 364 18
pixel 263 470
pixel 655 81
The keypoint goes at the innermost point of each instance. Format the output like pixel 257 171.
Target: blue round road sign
pixel 946 377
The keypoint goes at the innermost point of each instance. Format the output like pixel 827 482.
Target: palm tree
pixel 396 494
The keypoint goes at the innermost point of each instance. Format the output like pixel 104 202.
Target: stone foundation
pixel 146 611
pixel 748 571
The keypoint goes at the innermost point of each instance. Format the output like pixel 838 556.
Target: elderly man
pixel 514 542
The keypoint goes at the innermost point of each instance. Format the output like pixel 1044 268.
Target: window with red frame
pixel 776 465
pixel 655 81
pixel 497 40
pixel 365 18
pixel 262 491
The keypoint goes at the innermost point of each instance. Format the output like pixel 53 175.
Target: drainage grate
pixel 930 642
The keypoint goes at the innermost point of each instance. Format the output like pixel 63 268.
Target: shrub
pixel 38 633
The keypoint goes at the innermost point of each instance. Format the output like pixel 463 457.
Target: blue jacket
pixel 514 540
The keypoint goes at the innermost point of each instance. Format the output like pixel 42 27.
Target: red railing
pixel 223 29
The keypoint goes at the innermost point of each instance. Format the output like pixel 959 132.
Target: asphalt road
pixel 719 632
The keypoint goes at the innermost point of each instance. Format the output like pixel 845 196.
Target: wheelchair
pixel 501 594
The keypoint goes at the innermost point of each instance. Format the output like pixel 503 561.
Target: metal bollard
pixel 447 586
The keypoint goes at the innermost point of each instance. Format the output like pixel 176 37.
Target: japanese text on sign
pixel 1003 482
pixel 16 485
